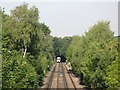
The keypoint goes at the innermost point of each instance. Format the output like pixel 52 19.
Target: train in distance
pixel 58 59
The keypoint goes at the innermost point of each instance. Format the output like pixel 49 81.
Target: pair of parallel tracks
pixel 61 78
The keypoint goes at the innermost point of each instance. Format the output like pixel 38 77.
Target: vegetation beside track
pixel 28 51
pixel 27 48
pixel 95 56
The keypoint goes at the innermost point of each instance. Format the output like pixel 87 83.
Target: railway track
pixel 70 78
pixel 51 78
pixel 60 78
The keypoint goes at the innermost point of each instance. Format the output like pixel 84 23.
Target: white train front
pixel 58 59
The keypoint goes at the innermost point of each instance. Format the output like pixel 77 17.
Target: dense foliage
pixel 27 48
pixel 60 46
pixel 95 55
pixel 0 47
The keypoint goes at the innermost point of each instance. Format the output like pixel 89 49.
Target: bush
pixel 95 55
pixel 17 72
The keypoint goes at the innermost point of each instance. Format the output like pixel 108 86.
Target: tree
pixel 57 44
pixel 112 71
pixel 94 55
pixel 23 22
pixel 27 48
pixel 0 45
pixel 64 44
pixel 60 46
pixel 17 72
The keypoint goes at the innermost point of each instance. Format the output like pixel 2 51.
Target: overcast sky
pixel 72 18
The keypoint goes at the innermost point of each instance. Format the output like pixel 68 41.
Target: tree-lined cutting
pixel 29 51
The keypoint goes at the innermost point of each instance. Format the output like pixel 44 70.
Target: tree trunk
pixel 81 79
pixel 25 52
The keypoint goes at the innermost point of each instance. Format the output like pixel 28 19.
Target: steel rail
pixel 64 78
pixel 51 78
pixel 58 75
pixel 71 78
